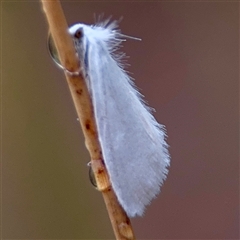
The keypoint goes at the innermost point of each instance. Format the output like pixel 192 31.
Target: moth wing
pixel 133 145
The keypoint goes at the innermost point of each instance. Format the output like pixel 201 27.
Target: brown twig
pixel 82 101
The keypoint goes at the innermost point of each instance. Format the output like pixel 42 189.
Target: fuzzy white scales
pixel 133 142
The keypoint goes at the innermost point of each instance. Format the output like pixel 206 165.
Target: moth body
pixel 133 143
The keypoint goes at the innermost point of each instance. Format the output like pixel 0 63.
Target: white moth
pixel 133 143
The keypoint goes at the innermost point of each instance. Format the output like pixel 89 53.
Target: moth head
pixel 76 31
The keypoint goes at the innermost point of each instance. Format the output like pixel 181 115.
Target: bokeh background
pixel 187 66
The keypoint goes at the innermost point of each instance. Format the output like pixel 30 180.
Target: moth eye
pixel 79 33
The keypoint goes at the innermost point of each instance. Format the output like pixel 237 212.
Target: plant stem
pixel 59 30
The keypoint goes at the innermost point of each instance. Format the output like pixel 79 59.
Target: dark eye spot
pixel 79 33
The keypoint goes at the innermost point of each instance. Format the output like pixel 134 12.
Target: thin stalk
pixel 58 27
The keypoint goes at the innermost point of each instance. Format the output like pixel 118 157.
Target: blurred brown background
pixel 187 67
